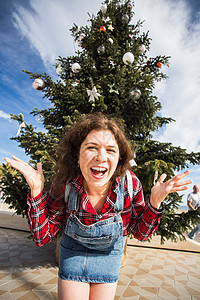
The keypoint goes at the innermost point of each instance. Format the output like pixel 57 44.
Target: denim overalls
pixel 92 253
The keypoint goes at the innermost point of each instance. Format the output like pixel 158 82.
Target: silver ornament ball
pixel 125 18
pixel 101 49
pixel 75 67
pixel 129 5
pixel 38 84
pixel 59 70
pixel 135 94
pixel 39 118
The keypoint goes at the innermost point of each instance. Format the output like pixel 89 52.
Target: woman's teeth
pixel 98 170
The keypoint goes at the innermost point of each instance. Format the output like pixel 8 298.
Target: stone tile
pixel 129 292
pixel 149 291
pixel 148 274
pixel 3 275
pixel 30 295
pixel 156 279
pixel 6 296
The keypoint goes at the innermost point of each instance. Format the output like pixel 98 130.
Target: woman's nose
pixel 101 155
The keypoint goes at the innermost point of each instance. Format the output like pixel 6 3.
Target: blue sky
pixel 34 33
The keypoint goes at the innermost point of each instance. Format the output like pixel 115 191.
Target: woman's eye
pixel 111 150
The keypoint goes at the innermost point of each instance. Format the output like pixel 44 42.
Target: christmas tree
pixel 112 74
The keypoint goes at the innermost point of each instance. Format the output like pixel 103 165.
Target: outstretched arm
pixel 161 189
pixel 45 214
pixel 34 178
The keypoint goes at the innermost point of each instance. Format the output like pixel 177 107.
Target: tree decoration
pixel 125 18
pixel 128 58
pixel 112 90
pixel 158 64
pixel 135 94
pixel 59 69
pixel 101 49
pixel 131 35
pixel 102 29
pixel 80 39
pixel 106 20
pixel 93 94
pixel 132 163
pixel 129 5
pixel 80 43
pixel 81 36
pixel 38 84
pixel 110 27
pixel 142 48
pixel 112 63
pixel 75 67
pixel 75 83
pixel 104 8
pixel 118 4
pixel 110 40
pixel 39 118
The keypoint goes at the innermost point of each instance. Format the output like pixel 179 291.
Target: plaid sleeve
pixel 144 219
pixel 45 216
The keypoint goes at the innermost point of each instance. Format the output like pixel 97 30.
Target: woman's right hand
pixel 34 178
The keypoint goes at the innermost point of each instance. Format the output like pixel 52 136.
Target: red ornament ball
pixel 102 29
pixel 159 64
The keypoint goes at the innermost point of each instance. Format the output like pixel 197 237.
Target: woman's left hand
pixel 161 189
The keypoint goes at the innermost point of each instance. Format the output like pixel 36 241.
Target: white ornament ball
pixel 110 40
pixel 59 70
pixel 104 8
pixel 38 84
pixel 76 67
pixel 128 58
pixel 135 94
pixel 142 48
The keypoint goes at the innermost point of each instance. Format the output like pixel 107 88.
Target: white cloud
pixel 4 115
pixel 46 25
pixel 173 33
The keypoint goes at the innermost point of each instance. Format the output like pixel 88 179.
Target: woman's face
pixel 98 158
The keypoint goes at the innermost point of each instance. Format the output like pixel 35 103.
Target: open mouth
pixel 98 172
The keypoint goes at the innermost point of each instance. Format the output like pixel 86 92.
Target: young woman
pixel 90 198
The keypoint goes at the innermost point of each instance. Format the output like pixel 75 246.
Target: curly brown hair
pixel 69 147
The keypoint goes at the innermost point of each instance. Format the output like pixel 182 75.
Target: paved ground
pixel 29 272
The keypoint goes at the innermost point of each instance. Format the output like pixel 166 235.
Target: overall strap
pixel 129 183
pixel 120 195
pixel 67 191
pixel 73 197
pixel 119 204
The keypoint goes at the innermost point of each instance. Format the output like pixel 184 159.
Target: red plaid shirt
pixel 46 215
